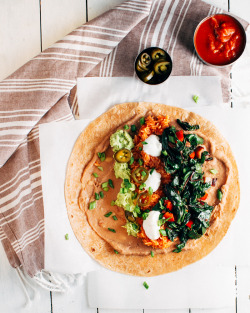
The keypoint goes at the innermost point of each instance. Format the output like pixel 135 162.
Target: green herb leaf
pixel 213 171
pixel 97 196
pixel 95 175
pixel 143 173
pixel 219 194
pixel 116 252
pixel 112 203
pixel 66 236
pixel 144 143
pixel 187 126
pixel 105 189
pixel 142 186
pixel 108 214
pixel 101 156
pixel 126 127
pixel 145 285
pixel 104 185
pixel 152 170
pixel 133 128
pixel 140 148
pixel 163 232
pixel 100 168
pixel 164 152
pixel 144 215
pixel 114 218
pixel 150 191
pixel 127 183
pixel 195 98
pixel 101 194
pixel 142 120
pixel 131 160
pixel 152 253
pixel 92 205
pixel 111 183
pixel 140 161
pixel 112 230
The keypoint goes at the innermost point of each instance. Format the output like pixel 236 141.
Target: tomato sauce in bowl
pixel 219 40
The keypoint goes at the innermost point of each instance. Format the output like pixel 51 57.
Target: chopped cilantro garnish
pixel 108 214
pixel 112 203
pixel 142 120
pixel 152 253
pixel 101 156
pixel 152 170
pixel 104 185
pixel 164 152
pixel 150 191
pixel 195 98
pixel 140 161
pixel 116 252
pixel 140 148
pixel 144 143
pixel 66 236
pixel 112 230
pixel 145 285
pixel 143 173
pixel 213 171
pixel 133 128
pixel 97 196
pixel 100 168
pixel 144 215
pixel 92 205
pixel 95 175
pixel 101 194
pixel 105 189
pixel 126 127
pixel 142 186
pixel 131 160
pixel 110 182
pixel 114 218
pixel 163 232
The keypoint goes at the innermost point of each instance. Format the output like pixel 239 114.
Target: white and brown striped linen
pixel 44 89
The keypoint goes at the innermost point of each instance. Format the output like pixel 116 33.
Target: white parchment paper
pixel 106 287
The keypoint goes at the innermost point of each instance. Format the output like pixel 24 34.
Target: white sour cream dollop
pixel 153 146
pixel 153 181
pixel 150 225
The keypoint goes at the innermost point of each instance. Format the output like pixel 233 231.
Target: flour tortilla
pixel 99 249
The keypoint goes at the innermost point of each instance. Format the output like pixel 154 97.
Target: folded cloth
pixel 106 46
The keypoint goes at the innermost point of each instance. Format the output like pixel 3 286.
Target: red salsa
pixel 220 39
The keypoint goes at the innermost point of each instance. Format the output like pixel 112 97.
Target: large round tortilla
pixel 98 248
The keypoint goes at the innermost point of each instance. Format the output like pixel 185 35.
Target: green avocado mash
pixel 121 140
pixel 132 228
pixel 122 170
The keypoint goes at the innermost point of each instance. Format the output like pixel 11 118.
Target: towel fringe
pixel 54 282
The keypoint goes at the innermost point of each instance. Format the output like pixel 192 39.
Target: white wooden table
pixel 26 28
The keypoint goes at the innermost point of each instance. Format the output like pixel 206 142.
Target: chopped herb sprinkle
pixel 112 203
pixel 92 205
pixel 140 148
pixel 163 232
pixel 95 175
pixel 67 237
pixel 150 191
pixel 105 184
pixel 144 143
pixel 152 170
pixel 152 253
pixel 126 127
pixel 131 160
pixel 140 161
pixel 101 156
pixel 164 152
pixel 97 196
pixel 101 194
pixel 142 120
pixel 114 218
pixel 116 252
pixel 105 189
pixel 213 171
pixel 219 194
pixel 100 168
pixel 110 182
pixel 195 98
pixel 145 285
pixel 133 128
pixel 108 214
pixel 112 230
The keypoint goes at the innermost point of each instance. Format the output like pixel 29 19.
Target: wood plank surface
pixel 19 34
pixel 60 17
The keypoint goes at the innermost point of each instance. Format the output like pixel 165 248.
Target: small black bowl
pixel 153 65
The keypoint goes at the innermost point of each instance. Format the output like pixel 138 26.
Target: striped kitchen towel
pixel 44 90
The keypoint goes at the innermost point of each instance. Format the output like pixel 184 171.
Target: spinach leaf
pixel 187 126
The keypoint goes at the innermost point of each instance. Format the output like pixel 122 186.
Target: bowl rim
pixel 153 47
pixel 244 35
